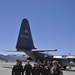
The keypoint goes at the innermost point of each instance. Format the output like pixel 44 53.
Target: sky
pixel 52 24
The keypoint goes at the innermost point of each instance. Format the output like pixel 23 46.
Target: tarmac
pixel 6 68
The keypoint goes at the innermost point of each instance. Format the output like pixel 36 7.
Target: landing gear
pixel 64 67
pixel 69 66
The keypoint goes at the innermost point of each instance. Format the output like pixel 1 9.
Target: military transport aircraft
pixel 25 44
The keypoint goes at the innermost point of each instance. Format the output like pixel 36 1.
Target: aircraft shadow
pixel 69 70
pixel 7 67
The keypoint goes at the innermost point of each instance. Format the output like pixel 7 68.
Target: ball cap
pixel 55 62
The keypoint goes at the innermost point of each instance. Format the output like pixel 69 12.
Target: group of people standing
pixel 39 68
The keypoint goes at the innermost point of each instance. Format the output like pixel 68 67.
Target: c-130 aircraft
pixel 25 44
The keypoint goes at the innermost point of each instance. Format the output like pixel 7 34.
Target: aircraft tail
pixel 25 40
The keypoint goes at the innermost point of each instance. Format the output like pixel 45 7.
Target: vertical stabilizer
pixel 25 40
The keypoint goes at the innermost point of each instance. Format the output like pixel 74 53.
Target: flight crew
pixel 18 68
pixel 56 70
pixel 28 68
pixel 36 69
pixel 47 69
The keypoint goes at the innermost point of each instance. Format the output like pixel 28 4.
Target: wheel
pixel 64 67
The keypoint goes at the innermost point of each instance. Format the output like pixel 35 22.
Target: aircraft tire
pixel 64 67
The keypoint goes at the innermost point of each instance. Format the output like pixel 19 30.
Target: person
pixel 44 63
pixel 28 68
pixel 17 69
pixel 56 69
pixel 47 69
pixel 33 69
pixel 36 69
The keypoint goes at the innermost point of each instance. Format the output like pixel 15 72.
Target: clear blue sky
pixel 52 23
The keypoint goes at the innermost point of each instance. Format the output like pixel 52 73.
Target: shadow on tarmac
pixel 69 70
pixel 7 67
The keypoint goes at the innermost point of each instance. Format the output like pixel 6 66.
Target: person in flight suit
pixel 56 69
pixel 33 69
pixel 36 69
pixel 17 69
pixel 47 69
pixel 28 68
pixel 44 63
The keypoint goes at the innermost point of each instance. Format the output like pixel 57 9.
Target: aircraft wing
pixel 35 50
pixel 69 57
pixel 64 56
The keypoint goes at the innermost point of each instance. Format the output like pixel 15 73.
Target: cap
pixel 55 62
